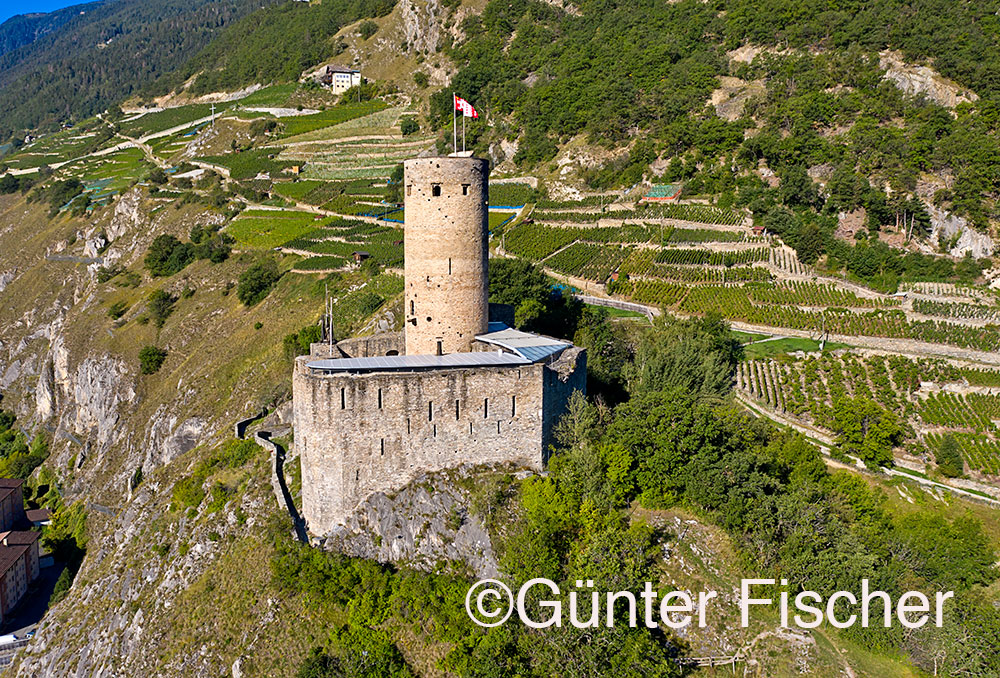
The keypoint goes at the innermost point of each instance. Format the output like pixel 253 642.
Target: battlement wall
pixel 359 434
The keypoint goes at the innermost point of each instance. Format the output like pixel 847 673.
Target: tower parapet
pixel 446 253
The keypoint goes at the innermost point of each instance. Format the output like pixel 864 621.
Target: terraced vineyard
pixel 806 389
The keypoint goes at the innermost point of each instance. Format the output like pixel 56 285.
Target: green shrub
pixel 160 306
pixel 257 281
pixel 409 126
pixel 151 359
pixel 367 29
pixel 168 255
pixel 117 310
pixel 948 457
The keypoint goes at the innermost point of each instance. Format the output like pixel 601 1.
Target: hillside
pixel 81 60
pixel 793 349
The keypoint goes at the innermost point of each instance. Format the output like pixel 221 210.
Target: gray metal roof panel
pixel 412 362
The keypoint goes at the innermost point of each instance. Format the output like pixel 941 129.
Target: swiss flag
pixel 467 110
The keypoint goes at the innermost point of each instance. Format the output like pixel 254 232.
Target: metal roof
pixel 418 362
pixel 531 347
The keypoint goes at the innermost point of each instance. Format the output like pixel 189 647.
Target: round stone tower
pixel 446 253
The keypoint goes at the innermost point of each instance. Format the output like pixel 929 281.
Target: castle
pixel 373 413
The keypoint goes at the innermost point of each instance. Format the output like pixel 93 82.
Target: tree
pixel 513 281
pixel 527 313
pixel 257 281
pixel 151 359
pixel 948 457
pixel 866 429
pixel 160 306
pixel 697 356
pixel 409 126
pixel 367 29
pixel 167 255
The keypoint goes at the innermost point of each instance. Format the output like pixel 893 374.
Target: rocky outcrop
pixel 916 80
pixel 424 523
pixel 421 25
pixel 956 232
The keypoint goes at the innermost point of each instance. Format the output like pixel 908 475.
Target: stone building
pixel 372 413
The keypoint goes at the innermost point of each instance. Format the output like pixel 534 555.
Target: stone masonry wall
pixel 363 433
pixel 445 254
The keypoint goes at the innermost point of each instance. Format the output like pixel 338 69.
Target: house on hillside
pixel 19 567
pixel 19 562
pixel 339 78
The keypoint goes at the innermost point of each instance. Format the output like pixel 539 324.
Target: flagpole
pixel 463 131
pixel 454 123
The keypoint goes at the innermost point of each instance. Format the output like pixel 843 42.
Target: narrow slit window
pixel 357 475
pixel 465 189
pixel 449 265
pixel 456 410
pixel 380 399
pixel 513 406
pixel 440 347
pixel 407 426
pixel 430 411
pixel 434 431
pixel 412 307
pixel 382 445
pixel 498 427
pixel 470 428
pixel 343 398
pixel 486 408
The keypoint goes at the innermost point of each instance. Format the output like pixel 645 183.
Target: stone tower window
pixel 486 408
pixel 430 411
pixel 343 398
pixel 465 189
pixel 449 265
pixel 382 444
pixel 456 410
pixel 513 404
pixel 436 190
pixel 440 347
pixel 380 399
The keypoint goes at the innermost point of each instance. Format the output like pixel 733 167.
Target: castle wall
pixel 445 253
pixel 364 433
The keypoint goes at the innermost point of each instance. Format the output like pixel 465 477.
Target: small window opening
pixel 436 190
pixel 382 443
pixel 486 408
pixel 498 426
pixel 513 404
pixel 449 265
pixel 456 410
pixel 343 398
pixel 380 399
pixel 465 189
pixel 434 432
pixel 440 347
pixel 407 426
pixel 430 411
pixel 409 189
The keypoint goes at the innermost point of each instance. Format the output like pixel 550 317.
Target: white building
pixel 340 79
